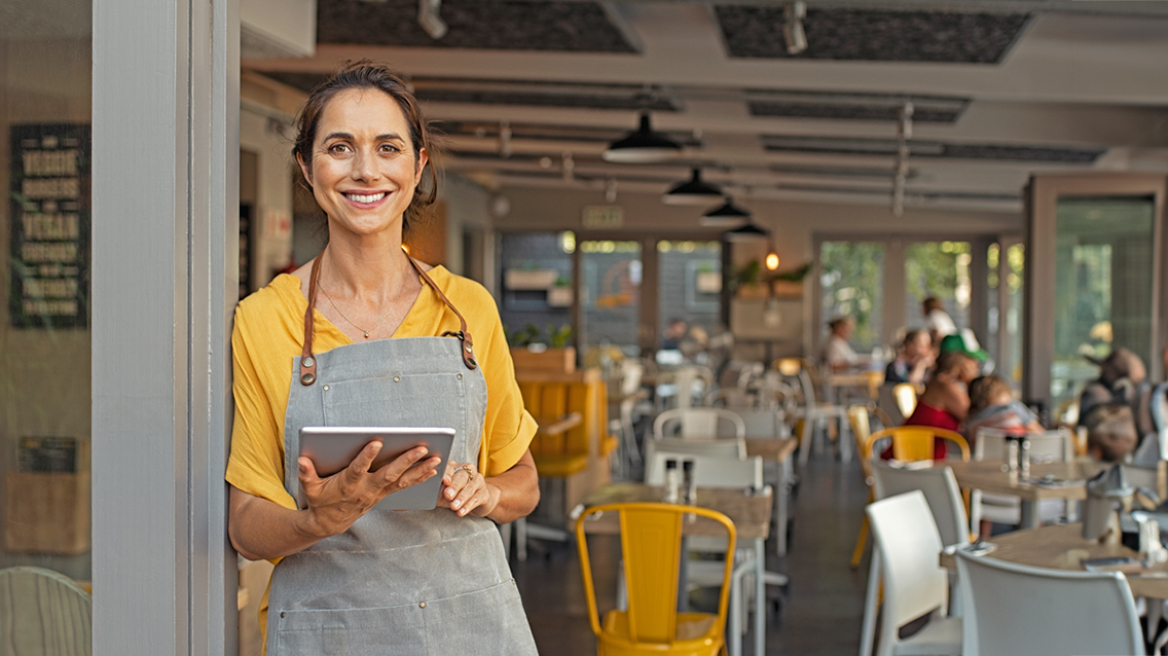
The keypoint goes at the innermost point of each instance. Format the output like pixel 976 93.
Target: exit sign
pixel 603 216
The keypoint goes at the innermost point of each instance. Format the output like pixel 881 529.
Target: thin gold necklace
pixel 334 304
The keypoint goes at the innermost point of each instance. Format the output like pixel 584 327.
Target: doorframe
pixel 165 256
pixel 1043 193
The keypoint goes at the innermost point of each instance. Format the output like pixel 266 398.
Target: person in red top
pixel 945 401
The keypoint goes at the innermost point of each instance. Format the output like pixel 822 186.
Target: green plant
pixel 747 274
pixel 559 337
pixel 525 336
pixel 794 275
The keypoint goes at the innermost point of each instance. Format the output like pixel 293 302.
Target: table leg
pixel 868 629
pixel 808 434
pixel 782 499
pixel 759 597
pixel 845 439
pixel 1029 514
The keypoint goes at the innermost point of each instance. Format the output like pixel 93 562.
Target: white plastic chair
pixel 697 423
pixel 1018 609
pixel 990 444
pixel 906 558
pixel 727 448
pixel 44 614
pixel 941 492
pixel 816 414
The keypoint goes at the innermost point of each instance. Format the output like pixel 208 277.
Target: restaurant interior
pixel 844 323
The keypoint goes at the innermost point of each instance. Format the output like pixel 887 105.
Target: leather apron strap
pixel 308 362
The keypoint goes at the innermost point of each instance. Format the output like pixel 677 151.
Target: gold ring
pixel 467 468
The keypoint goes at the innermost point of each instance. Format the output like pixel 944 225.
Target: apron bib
pixel 397 582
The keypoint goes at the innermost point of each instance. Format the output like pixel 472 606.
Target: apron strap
pixel 308 362
pixel 463 334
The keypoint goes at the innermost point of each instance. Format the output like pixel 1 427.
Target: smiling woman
pixel 353 578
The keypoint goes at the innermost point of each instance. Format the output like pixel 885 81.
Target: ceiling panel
pixel 491 24
pixel 838 33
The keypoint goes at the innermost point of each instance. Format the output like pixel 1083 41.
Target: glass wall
pixel 1006 349
pixel 939 269
pixel 610 295
pixel 45 110
pixel 852 280
pixel 536 288
pixel 1103 285
pixel 689 283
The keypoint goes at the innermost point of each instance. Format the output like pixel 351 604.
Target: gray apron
pixel 409 582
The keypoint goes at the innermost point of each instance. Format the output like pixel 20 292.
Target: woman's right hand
pixel 335 502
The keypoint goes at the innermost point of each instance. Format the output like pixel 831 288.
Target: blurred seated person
pixel 945 401
pixel 937 320
pixel 992 405
pixel 913 360
pixel 1111 432
pixel 966 342
pixel 1123 380
pixel 837 354
pixel 674 333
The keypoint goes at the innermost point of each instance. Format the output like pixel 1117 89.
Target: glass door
pixel 852 285
pixel 689 285
pixel 1093 275
pixel 940 270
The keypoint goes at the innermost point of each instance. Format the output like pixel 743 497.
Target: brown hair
pixel 984 389
pixel 911 336
pixel 364 74
pixel 1111 430
pixel 932 303
pixel 950 362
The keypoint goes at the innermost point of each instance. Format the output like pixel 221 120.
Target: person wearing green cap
pixel 965 342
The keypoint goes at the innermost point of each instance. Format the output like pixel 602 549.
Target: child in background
pixel 1111 432
pixel 992 405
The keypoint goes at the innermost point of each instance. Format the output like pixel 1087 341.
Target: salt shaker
pixel 691 486
pixel 1011 455
pixel 672 481
pixel 1024 457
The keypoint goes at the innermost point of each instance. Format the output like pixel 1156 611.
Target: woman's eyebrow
pixel 338 135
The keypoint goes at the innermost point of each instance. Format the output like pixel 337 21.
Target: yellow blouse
pixel 269 333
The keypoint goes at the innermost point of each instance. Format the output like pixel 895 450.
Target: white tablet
pixel 332 448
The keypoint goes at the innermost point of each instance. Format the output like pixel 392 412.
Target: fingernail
pixel 456 504
pixel 449 494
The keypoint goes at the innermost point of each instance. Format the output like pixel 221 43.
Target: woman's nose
pixel 364 166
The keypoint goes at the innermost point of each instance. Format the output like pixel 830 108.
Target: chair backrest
pixel 886 401
pixel 710 471
pixel 910 547
pixel 723 448
pixel 651 550
pixel 906 398
pixel 631 373
pixel 916 442
pixel 860 422
pixel 699 423
pixel 1055 445
pixel 44 613
pixel 941 492
pixel 1159 408
pixel 757 423
pixel 1018 609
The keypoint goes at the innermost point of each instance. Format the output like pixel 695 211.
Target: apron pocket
pixel 488 622
pixel 415 400
pixel 393 631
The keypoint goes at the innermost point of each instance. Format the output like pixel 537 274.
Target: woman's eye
pixel 389 148
pixel 338 148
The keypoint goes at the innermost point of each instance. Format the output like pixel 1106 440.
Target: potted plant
pixel 551 355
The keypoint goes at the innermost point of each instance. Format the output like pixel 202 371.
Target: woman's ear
pixel 423 157
pixel 304 169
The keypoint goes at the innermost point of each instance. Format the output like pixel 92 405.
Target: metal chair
pixel 916 442
pixel 697 423
pixel 861 429
pixel 651 548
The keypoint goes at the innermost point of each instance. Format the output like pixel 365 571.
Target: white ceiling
pixel 1082 74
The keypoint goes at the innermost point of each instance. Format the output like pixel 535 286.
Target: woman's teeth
pixel 366 198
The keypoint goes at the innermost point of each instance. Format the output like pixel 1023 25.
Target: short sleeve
pixel 256 463
pixel 508 428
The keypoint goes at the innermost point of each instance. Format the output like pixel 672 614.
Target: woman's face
pixel 363 171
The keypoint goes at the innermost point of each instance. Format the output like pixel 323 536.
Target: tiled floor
pixel 821 610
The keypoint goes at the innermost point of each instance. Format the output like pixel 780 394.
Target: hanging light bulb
pixel 772 260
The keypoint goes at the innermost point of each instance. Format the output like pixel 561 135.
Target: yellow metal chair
pixel 915 442
pixel 861 428
pixel 651 549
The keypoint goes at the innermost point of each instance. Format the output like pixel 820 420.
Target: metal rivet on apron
pixel 460 376
pixel 397 379
pixel 326 388
pixel 281 614
pixel 468 348
pixel 422 605
pixel 309 361
pixel 307 379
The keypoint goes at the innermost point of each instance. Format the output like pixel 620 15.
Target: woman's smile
pixel 365 199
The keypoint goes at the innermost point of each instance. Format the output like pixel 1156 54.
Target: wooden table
pixel 987 476
pixel 557 425
pixel 778 450
pixel 751 514
pixel 1061 546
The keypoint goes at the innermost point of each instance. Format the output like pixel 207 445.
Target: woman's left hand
pixel 466 491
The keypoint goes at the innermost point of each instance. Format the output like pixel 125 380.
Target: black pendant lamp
pixel 642 146
pixel 746 232
pixel 725 215
pixel 692 192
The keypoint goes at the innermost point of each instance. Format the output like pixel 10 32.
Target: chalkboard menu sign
pixel 50 226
